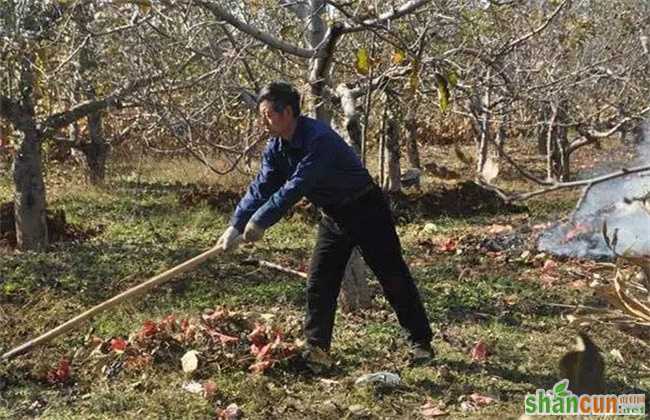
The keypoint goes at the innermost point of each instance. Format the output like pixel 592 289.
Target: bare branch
pixel 614 129
pixel 70 57
pixel 404 9
pixel 561 185
pixel 534 32
pixel 61 119
pixel 267 39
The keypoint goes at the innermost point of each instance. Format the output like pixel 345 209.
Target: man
pixel 305 157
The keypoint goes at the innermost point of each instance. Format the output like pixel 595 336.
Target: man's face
pixel 276 123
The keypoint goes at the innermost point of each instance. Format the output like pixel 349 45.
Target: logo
pixel 561 402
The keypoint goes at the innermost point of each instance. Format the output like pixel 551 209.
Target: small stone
pixel 379 378
pixel 358 410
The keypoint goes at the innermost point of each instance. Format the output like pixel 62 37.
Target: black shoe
pixel 422 353
pixel 316 359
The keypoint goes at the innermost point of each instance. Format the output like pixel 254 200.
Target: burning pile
pixel 583 236
pixel 622 204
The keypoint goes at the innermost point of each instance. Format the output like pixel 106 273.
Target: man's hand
pixel 253 232
pixel 229 240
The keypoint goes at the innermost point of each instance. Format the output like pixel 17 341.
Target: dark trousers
pixel 367 223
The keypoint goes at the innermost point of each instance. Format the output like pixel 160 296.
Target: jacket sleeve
pixel 267 182
pixel 308 172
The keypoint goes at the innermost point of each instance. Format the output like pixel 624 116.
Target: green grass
pixel 143 229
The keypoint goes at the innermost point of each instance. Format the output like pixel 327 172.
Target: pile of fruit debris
pixel 220 337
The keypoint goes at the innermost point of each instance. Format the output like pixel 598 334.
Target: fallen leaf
pixel 209 389
pixel 138 362
pixel 149 329
pixel 168 323
pixel 498 229
pixel 193 387
pixel 119 344
pixel 577 230
pixel 549 265
pixel 61 374
pixel 222 338
pixel 481 400
pixel 431 409
pixel 479 352
pixel 449 245
pixel 190 361
pixel 258 336
pixel 232 412
pixel 261 366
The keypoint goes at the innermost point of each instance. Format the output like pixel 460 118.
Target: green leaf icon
pixel 560 388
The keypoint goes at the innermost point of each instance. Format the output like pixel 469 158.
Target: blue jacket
pixel 316 163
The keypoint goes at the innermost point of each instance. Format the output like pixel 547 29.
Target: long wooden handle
pixel 134 291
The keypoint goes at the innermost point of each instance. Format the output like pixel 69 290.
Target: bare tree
pixel 35 54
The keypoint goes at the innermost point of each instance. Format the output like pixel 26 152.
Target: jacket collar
pixel 298 139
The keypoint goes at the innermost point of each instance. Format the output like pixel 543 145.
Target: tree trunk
pixel 96 151
pixel 29 193
pixel 412 149
pixel 95 148
pixel 352 121
pixel 541 130
pixel 557 146
pixel 550 146
pixel 483 144
pixel 355 291
pixel 563 169
pixel 392 182
pixel 381 149
pixel 29 188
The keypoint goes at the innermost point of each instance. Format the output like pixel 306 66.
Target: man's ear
pixel 289 110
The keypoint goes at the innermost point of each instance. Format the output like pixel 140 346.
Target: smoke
pixel 608 202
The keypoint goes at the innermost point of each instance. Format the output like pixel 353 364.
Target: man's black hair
pixel 281 95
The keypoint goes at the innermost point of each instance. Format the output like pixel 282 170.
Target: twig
pixel 562 305
pixel 561 185
pixel 67 60
pixel 534 32
pixel 583 196
pixel 278 267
